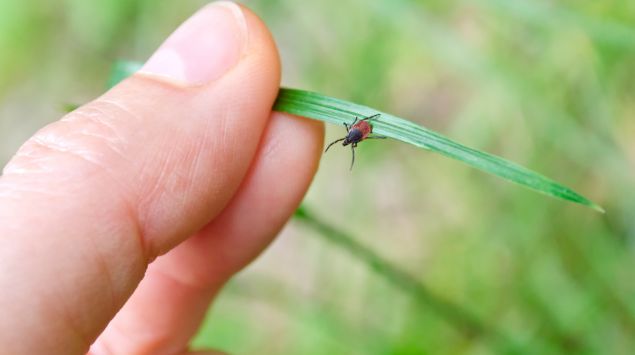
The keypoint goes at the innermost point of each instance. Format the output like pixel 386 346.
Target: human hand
pixel 184 161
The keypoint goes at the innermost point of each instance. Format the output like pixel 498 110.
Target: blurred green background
pixel 411 253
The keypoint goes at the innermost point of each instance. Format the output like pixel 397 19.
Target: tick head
pixel 354 136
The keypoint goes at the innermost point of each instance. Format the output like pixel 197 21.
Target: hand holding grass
pixel 181 162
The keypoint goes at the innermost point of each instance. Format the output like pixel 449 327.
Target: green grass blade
pixel 121 70
pixel 336 111
pixel 332 110
pixel 468 323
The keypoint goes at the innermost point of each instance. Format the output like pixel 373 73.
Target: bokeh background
pixel 410 253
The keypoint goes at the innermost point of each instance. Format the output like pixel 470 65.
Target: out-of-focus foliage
pixel 547 84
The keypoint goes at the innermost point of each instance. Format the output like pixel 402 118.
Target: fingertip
pixel 121 180
pixel 302 137
pixel 184 280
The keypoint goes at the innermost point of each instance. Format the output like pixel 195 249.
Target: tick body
pixel 355 133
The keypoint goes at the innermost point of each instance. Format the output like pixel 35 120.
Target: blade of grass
pixel 336 111
pixel 122 69
pixel 332 110
pixel 466 322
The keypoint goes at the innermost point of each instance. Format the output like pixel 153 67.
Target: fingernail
pixel 203 48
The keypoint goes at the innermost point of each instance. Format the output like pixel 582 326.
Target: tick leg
pixel 347 127
pixel 352 161
pixel 339 140
pixel 371 117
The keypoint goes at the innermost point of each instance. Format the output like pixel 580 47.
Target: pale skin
pixel 121 222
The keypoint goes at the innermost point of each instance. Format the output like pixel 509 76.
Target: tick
pixel 357 132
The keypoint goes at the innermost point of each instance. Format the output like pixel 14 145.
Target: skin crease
pixel 150 170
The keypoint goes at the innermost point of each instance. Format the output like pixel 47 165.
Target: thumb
pixel 91 199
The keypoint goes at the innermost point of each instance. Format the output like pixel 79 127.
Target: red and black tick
pixel 357 132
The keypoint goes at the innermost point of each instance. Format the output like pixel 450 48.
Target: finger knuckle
pixel 90 135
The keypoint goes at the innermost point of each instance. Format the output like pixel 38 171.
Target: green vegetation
pixel 336 111
pixel 412 253
pixel 332 110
